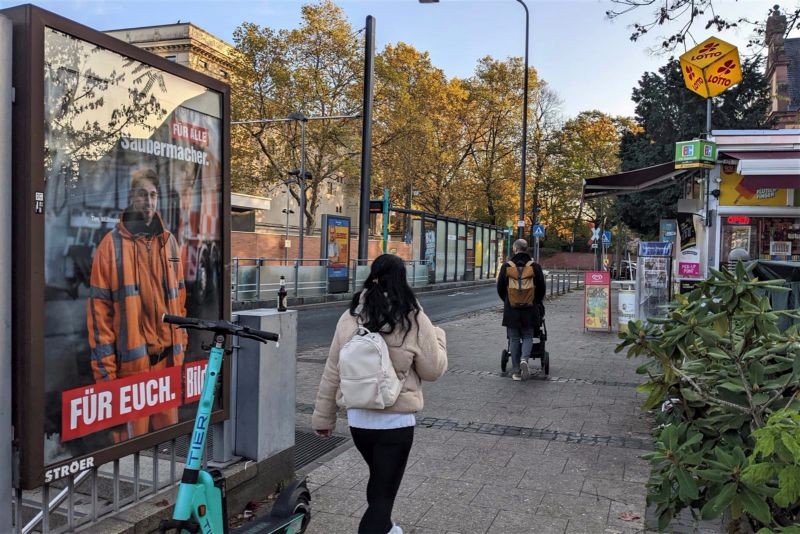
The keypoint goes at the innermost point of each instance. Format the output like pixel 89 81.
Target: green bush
pixel 727 378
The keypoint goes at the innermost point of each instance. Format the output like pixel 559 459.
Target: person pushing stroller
pixel 521 287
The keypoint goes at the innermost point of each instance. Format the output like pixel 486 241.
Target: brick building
pixel 783 71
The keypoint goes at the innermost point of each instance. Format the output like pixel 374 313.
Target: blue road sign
pixel 538 230
pixel 607 237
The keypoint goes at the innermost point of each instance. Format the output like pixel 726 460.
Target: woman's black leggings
pixel 386 454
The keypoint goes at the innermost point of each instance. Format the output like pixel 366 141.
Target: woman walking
pixel 418 352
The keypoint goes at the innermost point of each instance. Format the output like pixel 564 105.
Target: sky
pixel 588 60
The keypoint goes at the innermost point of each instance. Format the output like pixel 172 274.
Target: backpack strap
pixel 529 264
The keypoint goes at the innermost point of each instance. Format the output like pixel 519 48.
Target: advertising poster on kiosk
pixel 336 249
pixel 597 301
pixel 132 223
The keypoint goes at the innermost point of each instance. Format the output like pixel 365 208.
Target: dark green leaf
pixel 714 475
pixel 687 489
pixel 721 500
pixel 755 505
pixel 736 387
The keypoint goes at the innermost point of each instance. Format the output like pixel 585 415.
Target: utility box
pixel 265 386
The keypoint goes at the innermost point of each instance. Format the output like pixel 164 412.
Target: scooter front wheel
pixel 303 506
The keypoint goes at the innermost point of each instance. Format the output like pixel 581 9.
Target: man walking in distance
pixel 521 287
pixel 137 277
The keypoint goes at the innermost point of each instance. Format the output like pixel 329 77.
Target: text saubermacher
pixel 167 150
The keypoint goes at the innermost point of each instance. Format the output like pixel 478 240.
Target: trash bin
pixel 626 308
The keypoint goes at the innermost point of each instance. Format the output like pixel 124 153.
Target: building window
pixel 243 220
pixel 172 58
pixel 330 187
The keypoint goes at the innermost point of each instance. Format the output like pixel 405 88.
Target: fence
pixel 562 282
pixel 82 499
pixel 259 278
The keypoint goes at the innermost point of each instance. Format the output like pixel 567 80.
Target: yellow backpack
pixel 520 285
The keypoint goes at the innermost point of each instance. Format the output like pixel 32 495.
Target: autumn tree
pixel 314 69
pixel 494 126
pixel 544 122
pixel 419 137
pixel 587 146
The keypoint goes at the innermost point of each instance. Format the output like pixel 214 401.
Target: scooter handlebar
pixel 221 327
pixel 258 335
pixel 178 320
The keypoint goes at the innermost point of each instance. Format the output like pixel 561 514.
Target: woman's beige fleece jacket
pixel 421 356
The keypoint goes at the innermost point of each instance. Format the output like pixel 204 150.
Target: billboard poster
pixel 597 301
pixel 738 190
pixel 429 252
pixel 337 246
pixel 689 253
pixel 668 230
pixel 133 216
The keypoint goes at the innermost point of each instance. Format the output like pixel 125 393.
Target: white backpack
pixel 367 377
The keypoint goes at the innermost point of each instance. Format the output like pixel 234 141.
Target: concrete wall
pixel 569 260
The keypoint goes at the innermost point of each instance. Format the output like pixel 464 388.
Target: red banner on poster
pixel 186 131
pixel 194 374
pixel 103 405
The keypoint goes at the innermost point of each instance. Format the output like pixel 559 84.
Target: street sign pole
pixel 385 218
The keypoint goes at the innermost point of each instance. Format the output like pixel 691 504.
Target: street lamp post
pixel 524 155
pixel 302 175
pixel 287 211
pixel 298 116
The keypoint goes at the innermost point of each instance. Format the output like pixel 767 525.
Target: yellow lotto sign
pixel 711 67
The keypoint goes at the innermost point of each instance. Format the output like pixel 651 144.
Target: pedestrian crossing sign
pixel 538 230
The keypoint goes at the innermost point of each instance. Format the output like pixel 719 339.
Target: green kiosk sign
pixel 695 154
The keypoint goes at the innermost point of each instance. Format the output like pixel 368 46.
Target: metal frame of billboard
pixel 28 297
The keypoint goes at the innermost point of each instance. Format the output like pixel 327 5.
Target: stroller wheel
pixel 504 360
pixel 546 362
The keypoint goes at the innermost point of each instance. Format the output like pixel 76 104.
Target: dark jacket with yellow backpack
pixel 525 316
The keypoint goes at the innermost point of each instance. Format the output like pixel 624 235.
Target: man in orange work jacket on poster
pixel 137 276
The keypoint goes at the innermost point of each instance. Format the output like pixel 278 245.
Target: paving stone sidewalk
pixel 556 455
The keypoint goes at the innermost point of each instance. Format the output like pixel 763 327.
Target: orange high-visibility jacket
pixel 135 280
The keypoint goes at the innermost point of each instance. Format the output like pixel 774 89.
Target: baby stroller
pixel 538 352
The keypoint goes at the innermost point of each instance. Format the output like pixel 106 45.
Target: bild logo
pixel 688 151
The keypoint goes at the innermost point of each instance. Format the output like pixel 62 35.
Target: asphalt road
pixel 317 324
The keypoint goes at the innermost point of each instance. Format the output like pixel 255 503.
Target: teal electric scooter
pixel 200 505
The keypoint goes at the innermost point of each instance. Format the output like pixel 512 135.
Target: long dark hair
pixel 388 301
